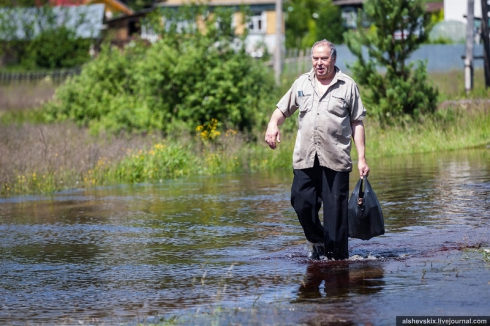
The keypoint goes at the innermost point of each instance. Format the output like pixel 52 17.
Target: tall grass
pixel 45 158
pixel 25 95
pixel 449 129
pixel 451 85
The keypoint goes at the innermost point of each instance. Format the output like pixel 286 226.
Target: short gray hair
pixel 333 50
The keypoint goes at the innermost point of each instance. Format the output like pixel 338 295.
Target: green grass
pixel 451 85
pixel 34 116
pixel 447 130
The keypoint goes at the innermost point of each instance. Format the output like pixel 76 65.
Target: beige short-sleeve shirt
pixel 324 120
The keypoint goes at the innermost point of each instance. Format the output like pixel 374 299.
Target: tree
pixel 56 48
pixel 308 21
pixel 398 27
pixel 330 24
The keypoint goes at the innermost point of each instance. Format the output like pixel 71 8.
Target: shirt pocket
pixel 305 103
pixel 338 106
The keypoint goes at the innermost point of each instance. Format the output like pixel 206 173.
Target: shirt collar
pixel 312 78
pixel 338 75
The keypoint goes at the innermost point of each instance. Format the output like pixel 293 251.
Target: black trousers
pixel 312 187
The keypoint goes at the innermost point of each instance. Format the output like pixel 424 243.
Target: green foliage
pixel 445 130
pixel 486 254
pixel 440 40
pixel 20 117
pixel 190 76
pixel 329 23
pixel 402 90
pixel 23 3
pixel 138 5
pixel 451 85
pixel 437 16
pixel 161 162
pixel 308 21
pixel 56 48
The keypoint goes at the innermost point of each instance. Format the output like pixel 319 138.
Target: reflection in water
pixel 336 281
pixel 129 252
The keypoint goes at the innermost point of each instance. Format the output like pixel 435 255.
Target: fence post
pixel 58 75
pixel 278 49
pixel 299 62
pixel 468 61
pixel 486 41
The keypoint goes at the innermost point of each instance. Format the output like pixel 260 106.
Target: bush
pixel 187 77
pixel 56 48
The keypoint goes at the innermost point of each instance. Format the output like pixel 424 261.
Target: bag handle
pixel 360 198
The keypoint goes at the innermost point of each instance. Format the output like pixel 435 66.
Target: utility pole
pixel 486 41
pixel 468 60
pixel 278 49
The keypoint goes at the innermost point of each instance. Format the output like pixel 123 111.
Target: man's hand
pixel 272 134
pixel 359 140
pixel 363 168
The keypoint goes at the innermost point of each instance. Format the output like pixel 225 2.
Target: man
pixel 330 113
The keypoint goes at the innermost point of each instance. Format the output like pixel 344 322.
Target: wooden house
pixel 262 25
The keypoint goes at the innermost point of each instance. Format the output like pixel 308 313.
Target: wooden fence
pixel 55 76
pixel 294 63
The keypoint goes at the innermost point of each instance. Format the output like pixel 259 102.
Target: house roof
pixel 348 2
pixel 430 6
pixel 434 6
pixel 114 6
pixel 176 3
pixel 137 14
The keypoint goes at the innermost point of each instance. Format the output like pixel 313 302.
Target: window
pixel 257 23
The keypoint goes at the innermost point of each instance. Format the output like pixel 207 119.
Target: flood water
pixel 229 250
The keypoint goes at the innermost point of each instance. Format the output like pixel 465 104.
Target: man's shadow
pixel 337 280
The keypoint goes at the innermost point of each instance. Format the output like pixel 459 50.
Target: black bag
pixel 364 212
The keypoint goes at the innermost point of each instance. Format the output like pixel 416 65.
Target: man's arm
pixel 272 134
pixel 359 140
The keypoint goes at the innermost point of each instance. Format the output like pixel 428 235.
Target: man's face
pixel 323 63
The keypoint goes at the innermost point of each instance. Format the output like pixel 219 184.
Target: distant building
pixel 25 23
pixel 113 8
pixel 349 10
pixel 262 26
pixel 87 21
pixel 454 25
pixel 119 19
pixel 457 10
pixel 121 30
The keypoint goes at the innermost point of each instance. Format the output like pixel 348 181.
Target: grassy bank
pixel 44 159
pixel 448 129
pixel 451 85
pixel 39 158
